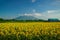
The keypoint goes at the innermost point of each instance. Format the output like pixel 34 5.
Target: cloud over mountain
pixel 33 14
pixel 45 15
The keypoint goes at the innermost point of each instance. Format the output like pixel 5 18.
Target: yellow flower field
pixel 30 31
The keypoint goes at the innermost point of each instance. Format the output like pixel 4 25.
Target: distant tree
pixel 53 20
pixel 1 19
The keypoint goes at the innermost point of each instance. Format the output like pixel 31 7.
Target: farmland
pixel 30 31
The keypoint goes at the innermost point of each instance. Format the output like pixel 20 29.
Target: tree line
pixel 14 20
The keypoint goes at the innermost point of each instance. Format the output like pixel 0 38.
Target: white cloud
pixel 33 1
pixel 28 14
pixel 37 14
pixel 49 14
pixel 52 14
pixel 54 11
pixel 33 14
pixel 51 11
pixel 45 15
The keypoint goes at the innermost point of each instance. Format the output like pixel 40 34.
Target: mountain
pixel 26 18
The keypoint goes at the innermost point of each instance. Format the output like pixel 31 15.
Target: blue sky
pixel 43 9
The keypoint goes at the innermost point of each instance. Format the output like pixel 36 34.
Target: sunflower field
pixel 30 31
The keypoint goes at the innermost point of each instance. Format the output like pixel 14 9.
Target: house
pixel 53 20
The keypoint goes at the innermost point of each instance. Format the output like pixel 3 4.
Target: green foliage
pixel 23 37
